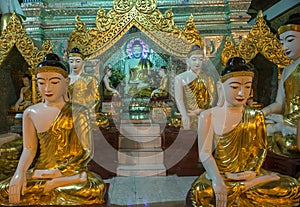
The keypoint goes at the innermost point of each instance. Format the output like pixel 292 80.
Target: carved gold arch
pixel 15 35
pixel 259 40
pixel 124 14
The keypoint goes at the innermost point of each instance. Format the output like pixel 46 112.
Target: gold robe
pixel 27 95
pixel 242 149
pixel 60 147
pixel 199 94
pixel 141 71
pixel 163 88
pixel 287 145
pixel 85 91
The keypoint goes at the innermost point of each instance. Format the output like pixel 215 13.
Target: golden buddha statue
pixel 162 91
pixel 137 69
pixel 83 88
pixel 58 132
pixel 195 88
pixel 232 148
pixel 284 114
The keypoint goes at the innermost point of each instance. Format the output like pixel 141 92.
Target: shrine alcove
pixel 18 56
pixel 163 44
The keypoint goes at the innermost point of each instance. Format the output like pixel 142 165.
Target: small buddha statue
pixel 25 98
pixel 195 88
pixel 162 91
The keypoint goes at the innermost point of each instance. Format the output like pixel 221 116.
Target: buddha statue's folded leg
pixel 10 153
pixel 90 192
pixel 201 192
pixel 283 192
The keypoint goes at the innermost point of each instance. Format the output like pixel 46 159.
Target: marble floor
pixel 151 191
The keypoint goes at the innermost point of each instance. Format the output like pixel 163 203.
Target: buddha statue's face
pixel 76 64
pixel 195 61
pixel 52 85
pixel 108 73
pixel 137 51
pixel 237 90
pixel 161 72
pixel 26 81
pixel 290 41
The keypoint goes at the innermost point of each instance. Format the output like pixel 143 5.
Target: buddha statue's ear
pixel 220 91
pixel 187 64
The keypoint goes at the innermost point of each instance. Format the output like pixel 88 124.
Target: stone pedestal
pixel 140 151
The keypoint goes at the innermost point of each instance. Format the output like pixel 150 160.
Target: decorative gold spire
pixel 259 40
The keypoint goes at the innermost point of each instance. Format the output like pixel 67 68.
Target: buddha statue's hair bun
pixel 52 63
pixel 52 59
pixel 235 66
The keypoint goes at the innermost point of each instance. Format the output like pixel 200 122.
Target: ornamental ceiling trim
pixel 259 40
pixel 125 14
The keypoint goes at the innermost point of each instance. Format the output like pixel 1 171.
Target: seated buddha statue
pixel 83 87
pixel 284 114
pixel 108 90
pixel 137 69
pixel 57 145
pixel 232 148
pixel 25 98
pixel 162 91
pixel 195 88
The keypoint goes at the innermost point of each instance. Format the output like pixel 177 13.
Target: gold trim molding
pixel 15 34
pixel 259 40
pixel 146 17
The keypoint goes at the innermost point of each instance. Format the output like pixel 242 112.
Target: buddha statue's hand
pixel 26 103
pixel 17 186
pixel 17 107
pixel 44 174
pixel 261 179
pixel 65 181
pixel 220 192
pixel 288 130
pixel 274 118
pixel 185 120
pixel 194 113
pixel 281 127
pixel 247 175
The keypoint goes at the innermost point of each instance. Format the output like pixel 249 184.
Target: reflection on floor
pixel 152 191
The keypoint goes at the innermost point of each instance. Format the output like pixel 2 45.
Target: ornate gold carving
pixel 259 40
pixel 15 34
pixel 142 14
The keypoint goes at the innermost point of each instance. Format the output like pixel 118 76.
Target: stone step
pixel 139 142
pixel 141 170
pixel 136 121
pixel 140 156
pixel 146 130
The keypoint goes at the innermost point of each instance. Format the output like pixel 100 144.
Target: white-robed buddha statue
pixel 195 88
